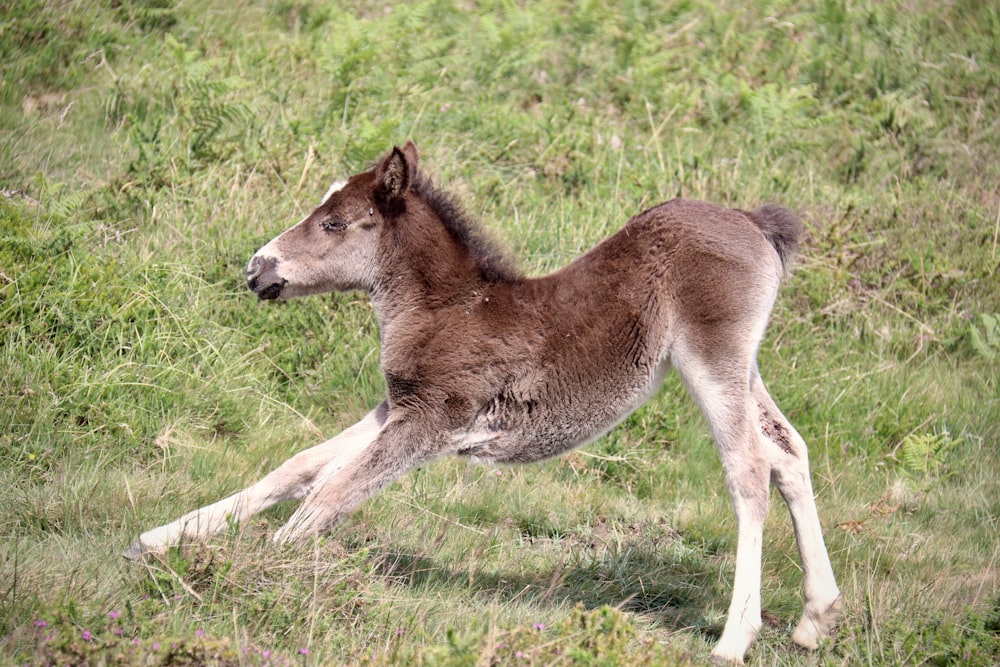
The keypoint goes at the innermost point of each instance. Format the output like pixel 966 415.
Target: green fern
pixel 986 340
pixel 67 207
pixel 211 107
pixel 923 455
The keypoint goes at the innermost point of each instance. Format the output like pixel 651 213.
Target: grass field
pixel 149 147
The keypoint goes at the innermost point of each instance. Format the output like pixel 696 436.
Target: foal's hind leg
pixel 292 480
pixel 721 390
pixel 790 473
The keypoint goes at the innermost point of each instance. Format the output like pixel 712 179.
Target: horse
pixel 485 363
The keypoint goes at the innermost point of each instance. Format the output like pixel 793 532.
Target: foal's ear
pixel 396 172
pixel 409 149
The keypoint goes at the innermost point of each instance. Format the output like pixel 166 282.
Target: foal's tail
pixel 781 227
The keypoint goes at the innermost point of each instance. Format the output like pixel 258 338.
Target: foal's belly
pixel 515 432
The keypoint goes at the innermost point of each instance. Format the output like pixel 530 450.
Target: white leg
pixel 400 445
pixel 290 481
pixel 790 473
pixel 723 396
pixel 747 479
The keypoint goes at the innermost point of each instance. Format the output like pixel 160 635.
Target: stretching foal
pixel 482 362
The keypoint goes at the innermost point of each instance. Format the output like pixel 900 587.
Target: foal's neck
pixel 423 269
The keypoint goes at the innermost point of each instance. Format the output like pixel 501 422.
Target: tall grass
pixel 147 148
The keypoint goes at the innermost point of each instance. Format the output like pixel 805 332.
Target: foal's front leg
pixel 400 445
pixel 290 481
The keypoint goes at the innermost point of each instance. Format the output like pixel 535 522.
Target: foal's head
pixel 386 224
pixel 335 247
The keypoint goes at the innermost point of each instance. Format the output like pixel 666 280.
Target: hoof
pixel 731 652
pixel 135 552
pixel 813 628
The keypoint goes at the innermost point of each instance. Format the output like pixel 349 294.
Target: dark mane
pixel 495 265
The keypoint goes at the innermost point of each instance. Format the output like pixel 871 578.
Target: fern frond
pixel 985 339
pixel 923 454
pixel 67 206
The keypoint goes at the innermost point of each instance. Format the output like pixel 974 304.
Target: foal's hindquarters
pixel 717 279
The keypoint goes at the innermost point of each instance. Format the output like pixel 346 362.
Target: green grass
pixel 148 148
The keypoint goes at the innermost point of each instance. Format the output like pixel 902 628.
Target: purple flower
pixel 86 635
pixel 113 614
pixel 40 623
pixel 199 632
pixel 518 655
pixel 303 651
pixel 266 653
pixel 538 627
pixel 156 646
pixel 400 632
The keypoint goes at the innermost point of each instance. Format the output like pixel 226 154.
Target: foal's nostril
pixel 254 267
pixel 259 265
pixel 263 278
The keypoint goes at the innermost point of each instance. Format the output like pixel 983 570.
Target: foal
pixel 482 362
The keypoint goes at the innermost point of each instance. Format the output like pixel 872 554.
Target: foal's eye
pixel 333 225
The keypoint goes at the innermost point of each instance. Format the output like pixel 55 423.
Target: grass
pixel 149 147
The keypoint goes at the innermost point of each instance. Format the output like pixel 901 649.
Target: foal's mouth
pixel 268 292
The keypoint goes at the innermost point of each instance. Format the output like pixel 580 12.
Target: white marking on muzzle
pixel 271 249
pixel 268 251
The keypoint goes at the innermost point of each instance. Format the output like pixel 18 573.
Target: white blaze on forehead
pixel 336 187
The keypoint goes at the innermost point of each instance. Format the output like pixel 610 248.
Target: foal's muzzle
pixel 263 279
